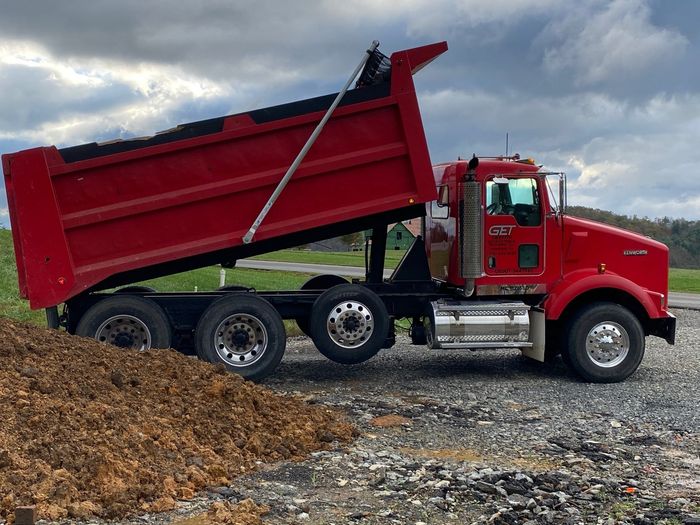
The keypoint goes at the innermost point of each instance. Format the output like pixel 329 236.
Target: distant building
pixel 400 235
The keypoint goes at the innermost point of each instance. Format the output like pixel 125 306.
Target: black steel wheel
pixel 242 332
pixel 127 321
pixel 318 282
pixel 605 343
pixel 349 323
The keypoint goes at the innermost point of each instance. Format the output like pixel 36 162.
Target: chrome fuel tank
pixel 456 324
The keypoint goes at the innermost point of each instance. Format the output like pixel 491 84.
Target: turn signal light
pixel 601 267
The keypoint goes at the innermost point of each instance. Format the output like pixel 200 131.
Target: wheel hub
pixel 607 344
pixel 240 340
pixel 124 331
pixel 350 324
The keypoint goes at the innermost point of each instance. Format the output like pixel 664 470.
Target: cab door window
pixel 516 197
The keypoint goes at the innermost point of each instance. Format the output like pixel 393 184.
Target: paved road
pixel 676 299
pixel 684 300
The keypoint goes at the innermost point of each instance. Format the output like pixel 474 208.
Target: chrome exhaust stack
pixel 471 239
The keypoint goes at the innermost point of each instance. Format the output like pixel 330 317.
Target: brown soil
pixel 91 430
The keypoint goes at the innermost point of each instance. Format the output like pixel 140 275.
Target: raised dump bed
pixel 97 215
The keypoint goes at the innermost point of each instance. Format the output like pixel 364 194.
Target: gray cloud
pixel 616 41
pixel 607 91
pixel 43 97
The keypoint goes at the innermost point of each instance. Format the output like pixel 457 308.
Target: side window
pixel 516 197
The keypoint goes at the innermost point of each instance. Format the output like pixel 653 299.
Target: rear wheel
pixel 244 333
pixel 318 282
pixel 126 321
pixel 605 343
pixel 349 324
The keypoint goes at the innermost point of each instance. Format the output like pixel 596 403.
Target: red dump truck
pixel 499 265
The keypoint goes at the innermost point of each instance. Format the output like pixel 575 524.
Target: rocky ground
pixel 484 437
pixel 490 437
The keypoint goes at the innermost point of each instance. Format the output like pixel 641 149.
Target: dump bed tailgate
pixel 84 214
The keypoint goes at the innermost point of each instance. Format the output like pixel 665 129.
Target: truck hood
pixel 587 244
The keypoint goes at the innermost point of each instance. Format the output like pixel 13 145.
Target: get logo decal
pixel 500 230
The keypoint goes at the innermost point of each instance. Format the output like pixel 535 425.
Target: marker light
pixel 601 267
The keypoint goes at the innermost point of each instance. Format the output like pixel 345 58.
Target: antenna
pixel 506 144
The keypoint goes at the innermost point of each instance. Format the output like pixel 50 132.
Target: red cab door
pixel 514 228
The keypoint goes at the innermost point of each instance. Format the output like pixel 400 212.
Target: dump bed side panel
pixel 101 214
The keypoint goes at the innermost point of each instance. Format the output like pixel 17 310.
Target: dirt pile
pixel 92 430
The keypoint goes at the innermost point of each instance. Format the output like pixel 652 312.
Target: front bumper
pixel 665 327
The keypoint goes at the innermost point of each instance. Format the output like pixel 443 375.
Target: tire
pixel 349 324
pixel 135 289
pixel 242 332
pixel 127 321
pixel 605 343
pixel 318 282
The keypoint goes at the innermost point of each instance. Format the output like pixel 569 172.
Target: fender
pixel 582 281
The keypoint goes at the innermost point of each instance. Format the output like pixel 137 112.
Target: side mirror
pixel 443 195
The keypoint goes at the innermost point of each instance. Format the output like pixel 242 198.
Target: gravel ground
pixel 489 437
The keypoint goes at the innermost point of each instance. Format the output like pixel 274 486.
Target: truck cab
pixel 498 231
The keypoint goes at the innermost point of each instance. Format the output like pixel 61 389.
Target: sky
pixel 606 91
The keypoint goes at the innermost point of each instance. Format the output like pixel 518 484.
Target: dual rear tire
pixel 242 332
pixel 349 324
pixel 127 321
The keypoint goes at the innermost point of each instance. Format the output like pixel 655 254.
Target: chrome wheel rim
pixel 240 340
pixel 124 331
pixel 350 324
pixel 607 344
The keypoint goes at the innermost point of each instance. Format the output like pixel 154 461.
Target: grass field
pixel 681 280
pixel 391 259
pixel 204 279
pixel 208 278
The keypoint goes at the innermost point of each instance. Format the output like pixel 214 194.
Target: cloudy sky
pixel 607 91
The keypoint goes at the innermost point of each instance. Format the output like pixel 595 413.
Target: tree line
pixel 680 235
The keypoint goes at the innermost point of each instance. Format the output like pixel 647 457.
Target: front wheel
pixel 605 343
pixel 244 333
pixel 349 324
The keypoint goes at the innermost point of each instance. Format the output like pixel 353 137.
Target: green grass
pixel 391 259
pixel 204 279
pixel 208 278
pixel 681 280
pixel 10 303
